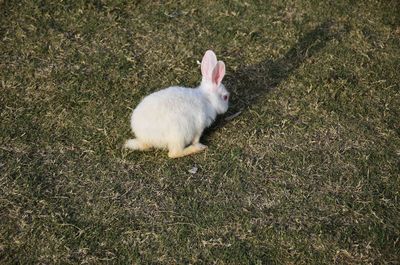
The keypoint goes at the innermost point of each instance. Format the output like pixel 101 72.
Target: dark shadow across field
pixel 249 84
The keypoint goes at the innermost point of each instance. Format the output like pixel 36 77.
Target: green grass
pixel 308 173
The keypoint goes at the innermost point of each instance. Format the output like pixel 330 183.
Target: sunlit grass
pixel 306 172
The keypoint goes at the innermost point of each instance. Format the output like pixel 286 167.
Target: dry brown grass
pixel 306 173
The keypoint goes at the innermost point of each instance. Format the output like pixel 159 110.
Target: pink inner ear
pixel 208 63
pixel 218 73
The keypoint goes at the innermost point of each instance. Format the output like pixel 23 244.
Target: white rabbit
pixel 175 117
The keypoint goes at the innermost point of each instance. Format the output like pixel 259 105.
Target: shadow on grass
pixel 250 83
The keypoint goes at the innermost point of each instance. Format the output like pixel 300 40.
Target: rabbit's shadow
pixel 249 84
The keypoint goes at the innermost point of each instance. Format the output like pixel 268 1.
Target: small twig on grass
pixel 231 117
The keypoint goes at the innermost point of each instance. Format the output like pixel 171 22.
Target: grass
pixel 307 173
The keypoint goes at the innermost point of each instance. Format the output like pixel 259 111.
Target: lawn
pixel 304 168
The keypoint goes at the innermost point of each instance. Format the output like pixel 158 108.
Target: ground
pixel 303 168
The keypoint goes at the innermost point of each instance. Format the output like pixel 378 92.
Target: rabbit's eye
pixel 225 97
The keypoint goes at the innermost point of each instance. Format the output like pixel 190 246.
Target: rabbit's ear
pixel 207 64
pixel 218 73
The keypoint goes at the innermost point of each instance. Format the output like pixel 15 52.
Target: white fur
pixel 175 117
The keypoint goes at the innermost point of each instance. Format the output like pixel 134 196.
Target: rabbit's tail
pixel 136 144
